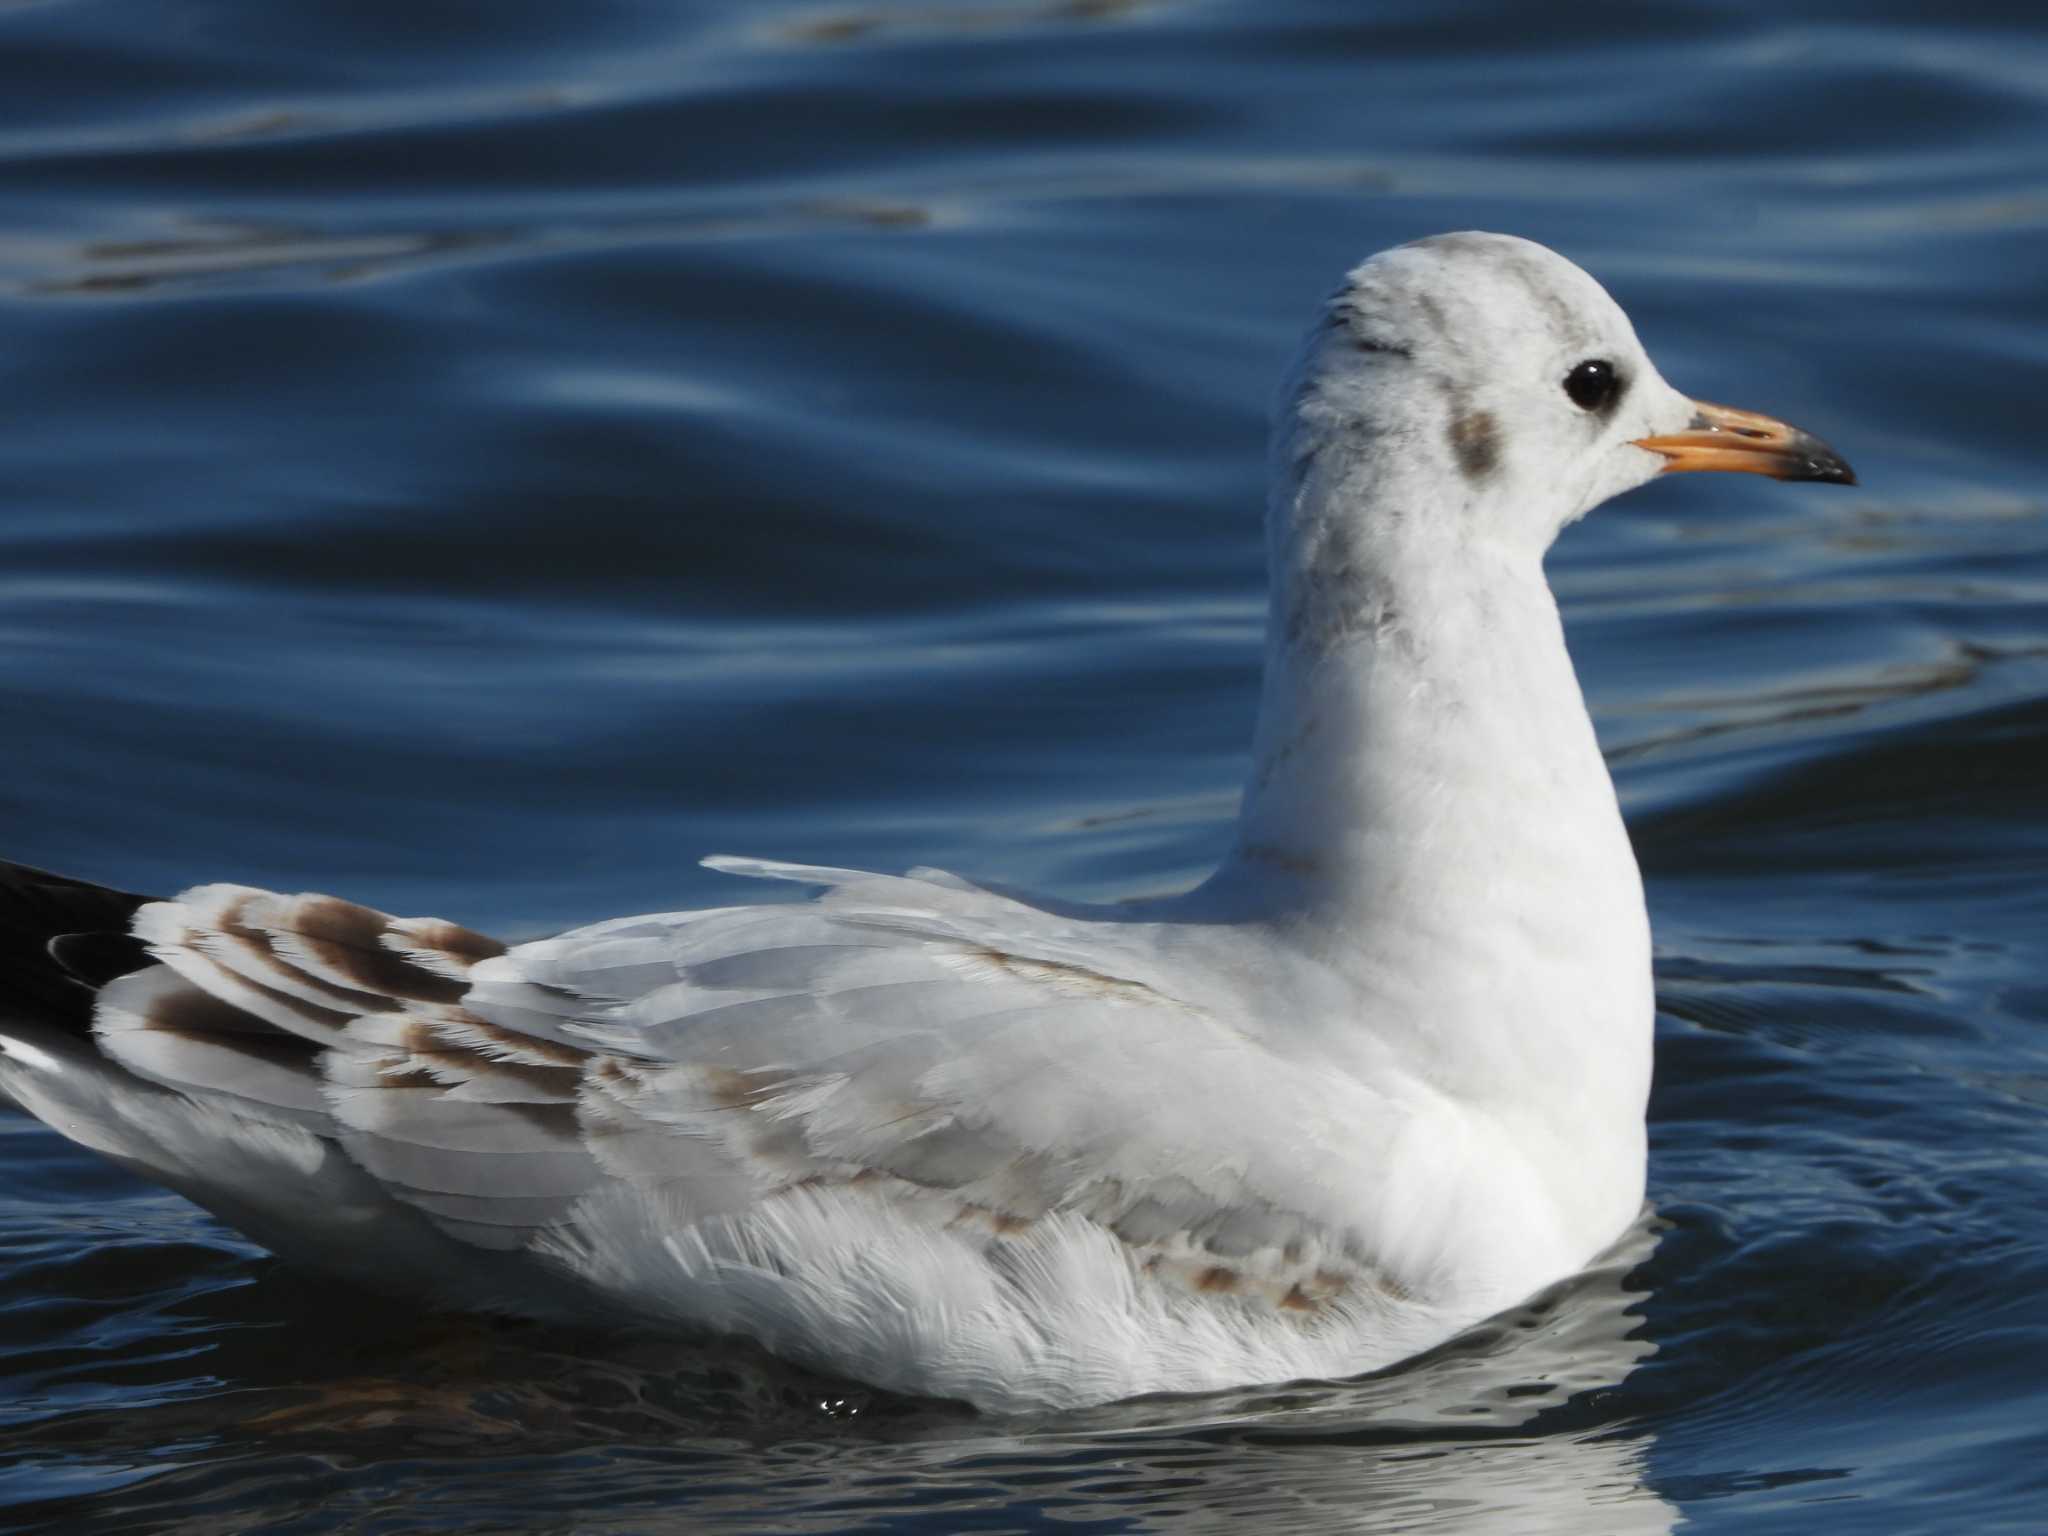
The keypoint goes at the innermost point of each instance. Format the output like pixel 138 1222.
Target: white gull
pixel 1381 1076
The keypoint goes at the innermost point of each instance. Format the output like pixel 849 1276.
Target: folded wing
pixel 910 1102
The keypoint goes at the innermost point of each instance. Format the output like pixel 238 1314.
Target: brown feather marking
pixel 1067 978
pixel 1001 1223
pixel 329 1019
pixel 730 1088
pixel 559 1083
pixel 192 1010
pixel 348 939
pixel 422 1038
pixel 275 1047
pixel 1316 1291
pixel 255 943
pixel 462 1022
pixel 451 939
pixel 1216 1278
pixel 403 1072
pixel 1298 1300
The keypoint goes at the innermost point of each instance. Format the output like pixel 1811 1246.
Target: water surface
pixel 479 459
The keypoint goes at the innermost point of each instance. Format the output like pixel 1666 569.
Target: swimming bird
pixel 1382 1075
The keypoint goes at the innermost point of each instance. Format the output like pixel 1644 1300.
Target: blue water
pixel 479 458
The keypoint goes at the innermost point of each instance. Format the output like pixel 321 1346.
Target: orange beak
pixel 1724 438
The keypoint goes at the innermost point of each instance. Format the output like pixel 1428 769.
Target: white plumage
pixel 1381 1076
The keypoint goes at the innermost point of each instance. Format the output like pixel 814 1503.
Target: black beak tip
pixel 1815 460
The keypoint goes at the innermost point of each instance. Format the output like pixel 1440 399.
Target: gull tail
pixel 61 941
pixel 218 1087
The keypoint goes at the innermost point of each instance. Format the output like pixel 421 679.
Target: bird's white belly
pixel 907 1289
pixel 859 1281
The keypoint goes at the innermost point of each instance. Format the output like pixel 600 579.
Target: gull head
pixel 1481 386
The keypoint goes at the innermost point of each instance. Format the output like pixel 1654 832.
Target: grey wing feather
pixel 954 1043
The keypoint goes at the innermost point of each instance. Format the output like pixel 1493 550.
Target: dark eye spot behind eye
pixel 1475 440
pixel 1593 385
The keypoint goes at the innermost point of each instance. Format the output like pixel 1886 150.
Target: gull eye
pixel 1592 385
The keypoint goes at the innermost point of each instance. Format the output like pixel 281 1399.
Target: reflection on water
pixel 210 257
pixel 858 23
pixel 1496 1432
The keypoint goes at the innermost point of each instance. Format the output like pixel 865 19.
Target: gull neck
pixel 1428 813
pixel 1423 755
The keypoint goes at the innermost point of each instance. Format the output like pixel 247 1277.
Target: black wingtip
pixel 61 939
pixel 94 959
